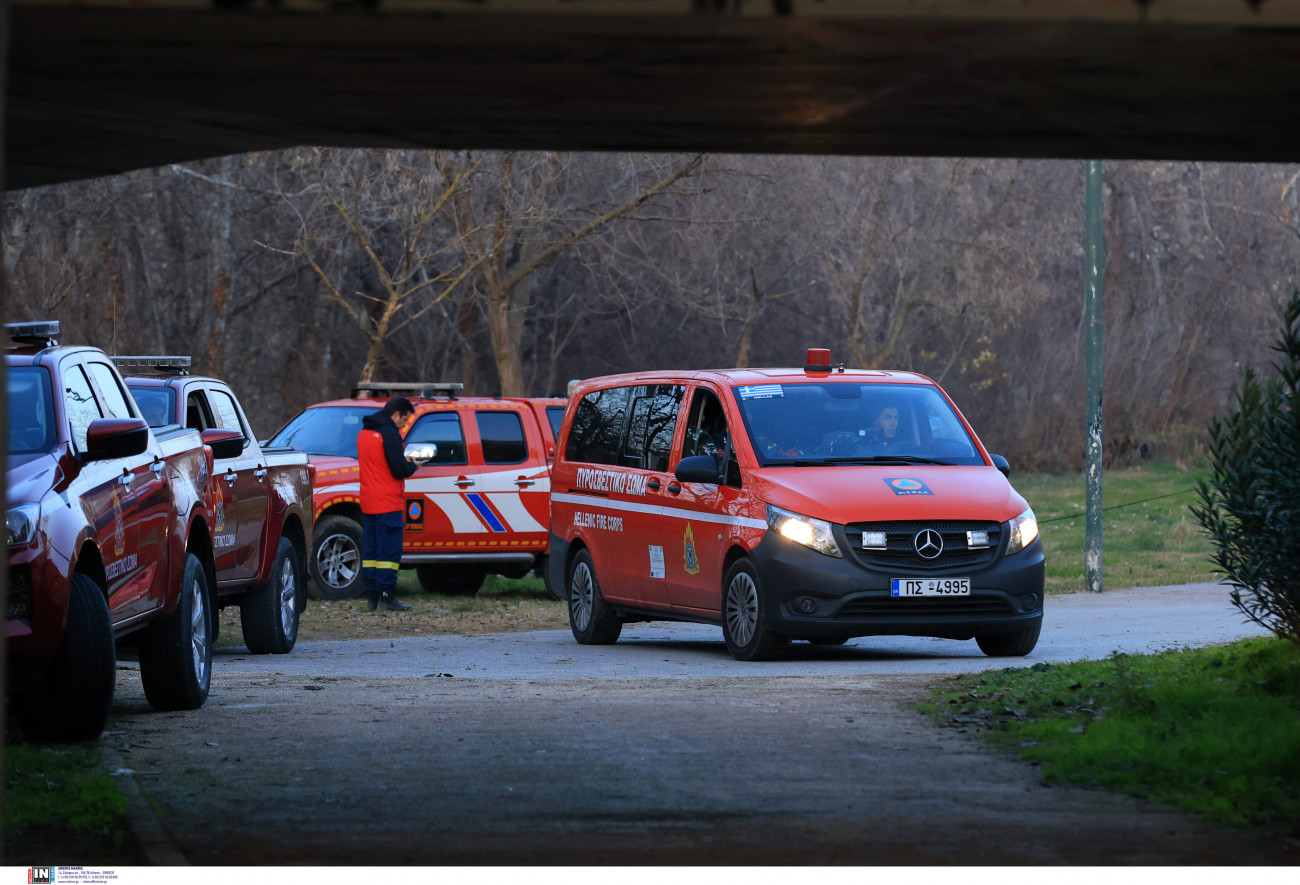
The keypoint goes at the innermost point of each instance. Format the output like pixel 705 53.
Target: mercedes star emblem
pixel 928 543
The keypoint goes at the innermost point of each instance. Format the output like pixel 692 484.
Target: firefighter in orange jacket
pixel 384 469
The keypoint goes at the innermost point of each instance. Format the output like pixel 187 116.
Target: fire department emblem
pixel 221 513
pixel 691 562
pixel 119 530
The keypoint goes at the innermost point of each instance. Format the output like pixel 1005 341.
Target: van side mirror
pixel 1001 464
pixel 108 438
pixel 698 468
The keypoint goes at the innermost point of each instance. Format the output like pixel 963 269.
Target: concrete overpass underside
pixel 106 86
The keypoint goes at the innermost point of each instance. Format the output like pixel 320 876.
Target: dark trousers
pixel 381 551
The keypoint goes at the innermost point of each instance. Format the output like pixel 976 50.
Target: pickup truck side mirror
pixel 698 468
pixel 224 443
pixel 1001 464
pixel 422 453
pixel 116 438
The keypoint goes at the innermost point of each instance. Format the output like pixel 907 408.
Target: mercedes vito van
pixel 815 504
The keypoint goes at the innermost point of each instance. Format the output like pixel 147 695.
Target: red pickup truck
pixel 109 529
pixel 263 500
pixel 480 506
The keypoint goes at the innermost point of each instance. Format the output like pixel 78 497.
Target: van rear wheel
pixel 744 623
pixel 591 619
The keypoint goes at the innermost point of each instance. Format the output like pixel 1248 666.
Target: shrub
pixel 1250 504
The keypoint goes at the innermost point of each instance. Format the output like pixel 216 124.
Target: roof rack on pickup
pixel 168 365
pixel 426 389
pixel 40 333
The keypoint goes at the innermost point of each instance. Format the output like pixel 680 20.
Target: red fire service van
pixel 816 504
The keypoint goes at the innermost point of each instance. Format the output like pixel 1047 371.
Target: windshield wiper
pixel 886 459
pixel 861 459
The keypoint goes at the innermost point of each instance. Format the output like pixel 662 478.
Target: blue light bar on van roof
pixel 41 331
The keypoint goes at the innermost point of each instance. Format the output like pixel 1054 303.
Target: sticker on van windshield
pixel 760 391
pixel 904 486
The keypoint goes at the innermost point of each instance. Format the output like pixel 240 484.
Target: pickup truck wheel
pixel 72 700
pixel 176 651
pixel 591 619
pixel 269 612
pixel 744 625
pixel 336 558
pixel 451 580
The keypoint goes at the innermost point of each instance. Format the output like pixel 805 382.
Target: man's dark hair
pixel 398 405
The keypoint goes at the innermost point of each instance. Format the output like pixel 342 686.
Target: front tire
pixel 591 619
pixel 176 650
pixel 1011 645
pixel 336 558
pixel 744 622
pixel 269 612
pixel 72 700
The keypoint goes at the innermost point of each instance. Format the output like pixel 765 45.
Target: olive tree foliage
pixel 1250 504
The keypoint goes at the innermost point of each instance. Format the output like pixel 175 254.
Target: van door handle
pixel 125 480
pixel 463 482
pixel 653 484
pixel 157 466
pixel 260 474
pixel 674 487
pixel 231 477
pixel 524 483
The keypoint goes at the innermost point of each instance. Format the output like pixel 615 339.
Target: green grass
pixel 58 799
pixel 1150 544
pixel 1213 730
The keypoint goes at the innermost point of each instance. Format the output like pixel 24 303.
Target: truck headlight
pixel 20 523
pixel 814 533
pixel 1024 528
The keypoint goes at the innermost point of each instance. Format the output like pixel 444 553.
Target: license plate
pixel 929 587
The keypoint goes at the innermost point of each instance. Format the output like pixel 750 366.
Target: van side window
pixel 596 435
pixel 650 430
pixel 502 436
pixel 79 402
pixel 443 430
pixel 707 434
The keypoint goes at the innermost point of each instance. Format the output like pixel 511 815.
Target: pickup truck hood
pixel 30 478
pixel 848 494
pixel 326 463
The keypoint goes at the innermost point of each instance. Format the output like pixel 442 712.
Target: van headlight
pixel 814 533
pixel 1024 528
pixel 20 523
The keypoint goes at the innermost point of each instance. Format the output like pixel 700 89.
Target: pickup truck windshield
pixel 157 404
pixel 324 431
pixel 815 424
pixel 31 411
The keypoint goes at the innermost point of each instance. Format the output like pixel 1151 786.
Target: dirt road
pixel 328 770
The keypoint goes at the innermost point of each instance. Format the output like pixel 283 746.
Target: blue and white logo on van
pixel 906 486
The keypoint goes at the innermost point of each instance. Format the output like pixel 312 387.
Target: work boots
pixel 388 603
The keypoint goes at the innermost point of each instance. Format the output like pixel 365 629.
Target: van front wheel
pixel 591 619
pixel 744 623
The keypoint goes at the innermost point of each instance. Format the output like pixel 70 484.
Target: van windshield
pixel 812 424
pixel 331 430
